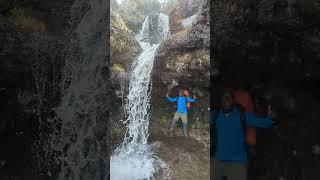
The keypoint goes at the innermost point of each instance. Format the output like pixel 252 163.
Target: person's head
pixel 185 93
pixel 227 100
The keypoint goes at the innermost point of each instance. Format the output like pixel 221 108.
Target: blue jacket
pixel 230 141
pixel 181 103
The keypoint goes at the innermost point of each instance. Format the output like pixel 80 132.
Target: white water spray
pixel 73 144
pixel 134 158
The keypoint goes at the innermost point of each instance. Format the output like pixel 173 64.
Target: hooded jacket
pixel 230 142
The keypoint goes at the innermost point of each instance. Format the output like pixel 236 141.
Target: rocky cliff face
pixel 125 48
pixel 34 36
pixel 184 57
pixel 182 9
pixel 196 36
pixel 31 44
pixel 270 32
pixel 276 42
pixel 183 61
pixel 31 47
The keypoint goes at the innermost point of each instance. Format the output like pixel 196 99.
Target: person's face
pixel 227 101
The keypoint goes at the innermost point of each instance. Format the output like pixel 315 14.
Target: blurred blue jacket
pixel 230 140
pixel 181 103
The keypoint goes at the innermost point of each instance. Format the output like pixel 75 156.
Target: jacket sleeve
pixel 172 99
pixel 191 100
pixel 254 121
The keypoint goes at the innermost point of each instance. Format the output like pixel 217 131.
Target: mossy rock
pixel 124 47
pixel 117 23
pixel 117 68
pixel 134 23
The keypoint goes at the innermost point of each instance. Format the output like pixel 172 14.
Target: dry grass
pixel 117 68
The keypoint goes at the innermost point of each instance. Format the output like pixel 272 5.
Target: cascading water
pixel 83 106
pixel 75 148
pixel 134 158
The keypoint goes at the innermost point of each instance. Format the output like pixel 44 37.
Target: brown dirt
pixel 187 157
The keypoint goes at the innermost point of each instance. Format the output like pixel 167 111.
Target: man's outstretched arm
pixel 171 99
pixel 191 100
pixel 255 121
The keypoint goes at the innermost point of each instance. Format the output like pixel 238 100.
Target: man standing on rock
pixel 230 151
pixel 182 110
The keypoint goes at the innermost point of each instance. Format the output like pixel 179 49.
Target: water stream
pixel 71 137
pixel 134 158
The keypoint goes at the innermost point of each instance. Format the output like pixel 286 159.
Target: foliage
pixel 117 68
pixel 120 39
pixel 163 119
pixel 117 130
pixel 134 12
pixel 203 56
pixel 19 18
pixel 121 42
pixel 117 23
pixel 176 38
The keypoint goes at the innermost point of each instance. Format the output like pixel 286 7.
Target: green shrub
pixel 163 119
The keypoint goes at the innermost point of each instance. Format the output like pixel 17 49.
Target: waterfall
pixel 134 158
pixel 83 105
pixel 73 146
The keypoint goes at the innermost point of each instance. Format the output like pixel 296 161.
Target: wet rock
pixel 183 59
pixel 4 5
pixel 32 61
pixel 92 170
pixel 196 36
pixel 275 41
pixel 186 157
pixel 183 9
pixel 190 68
